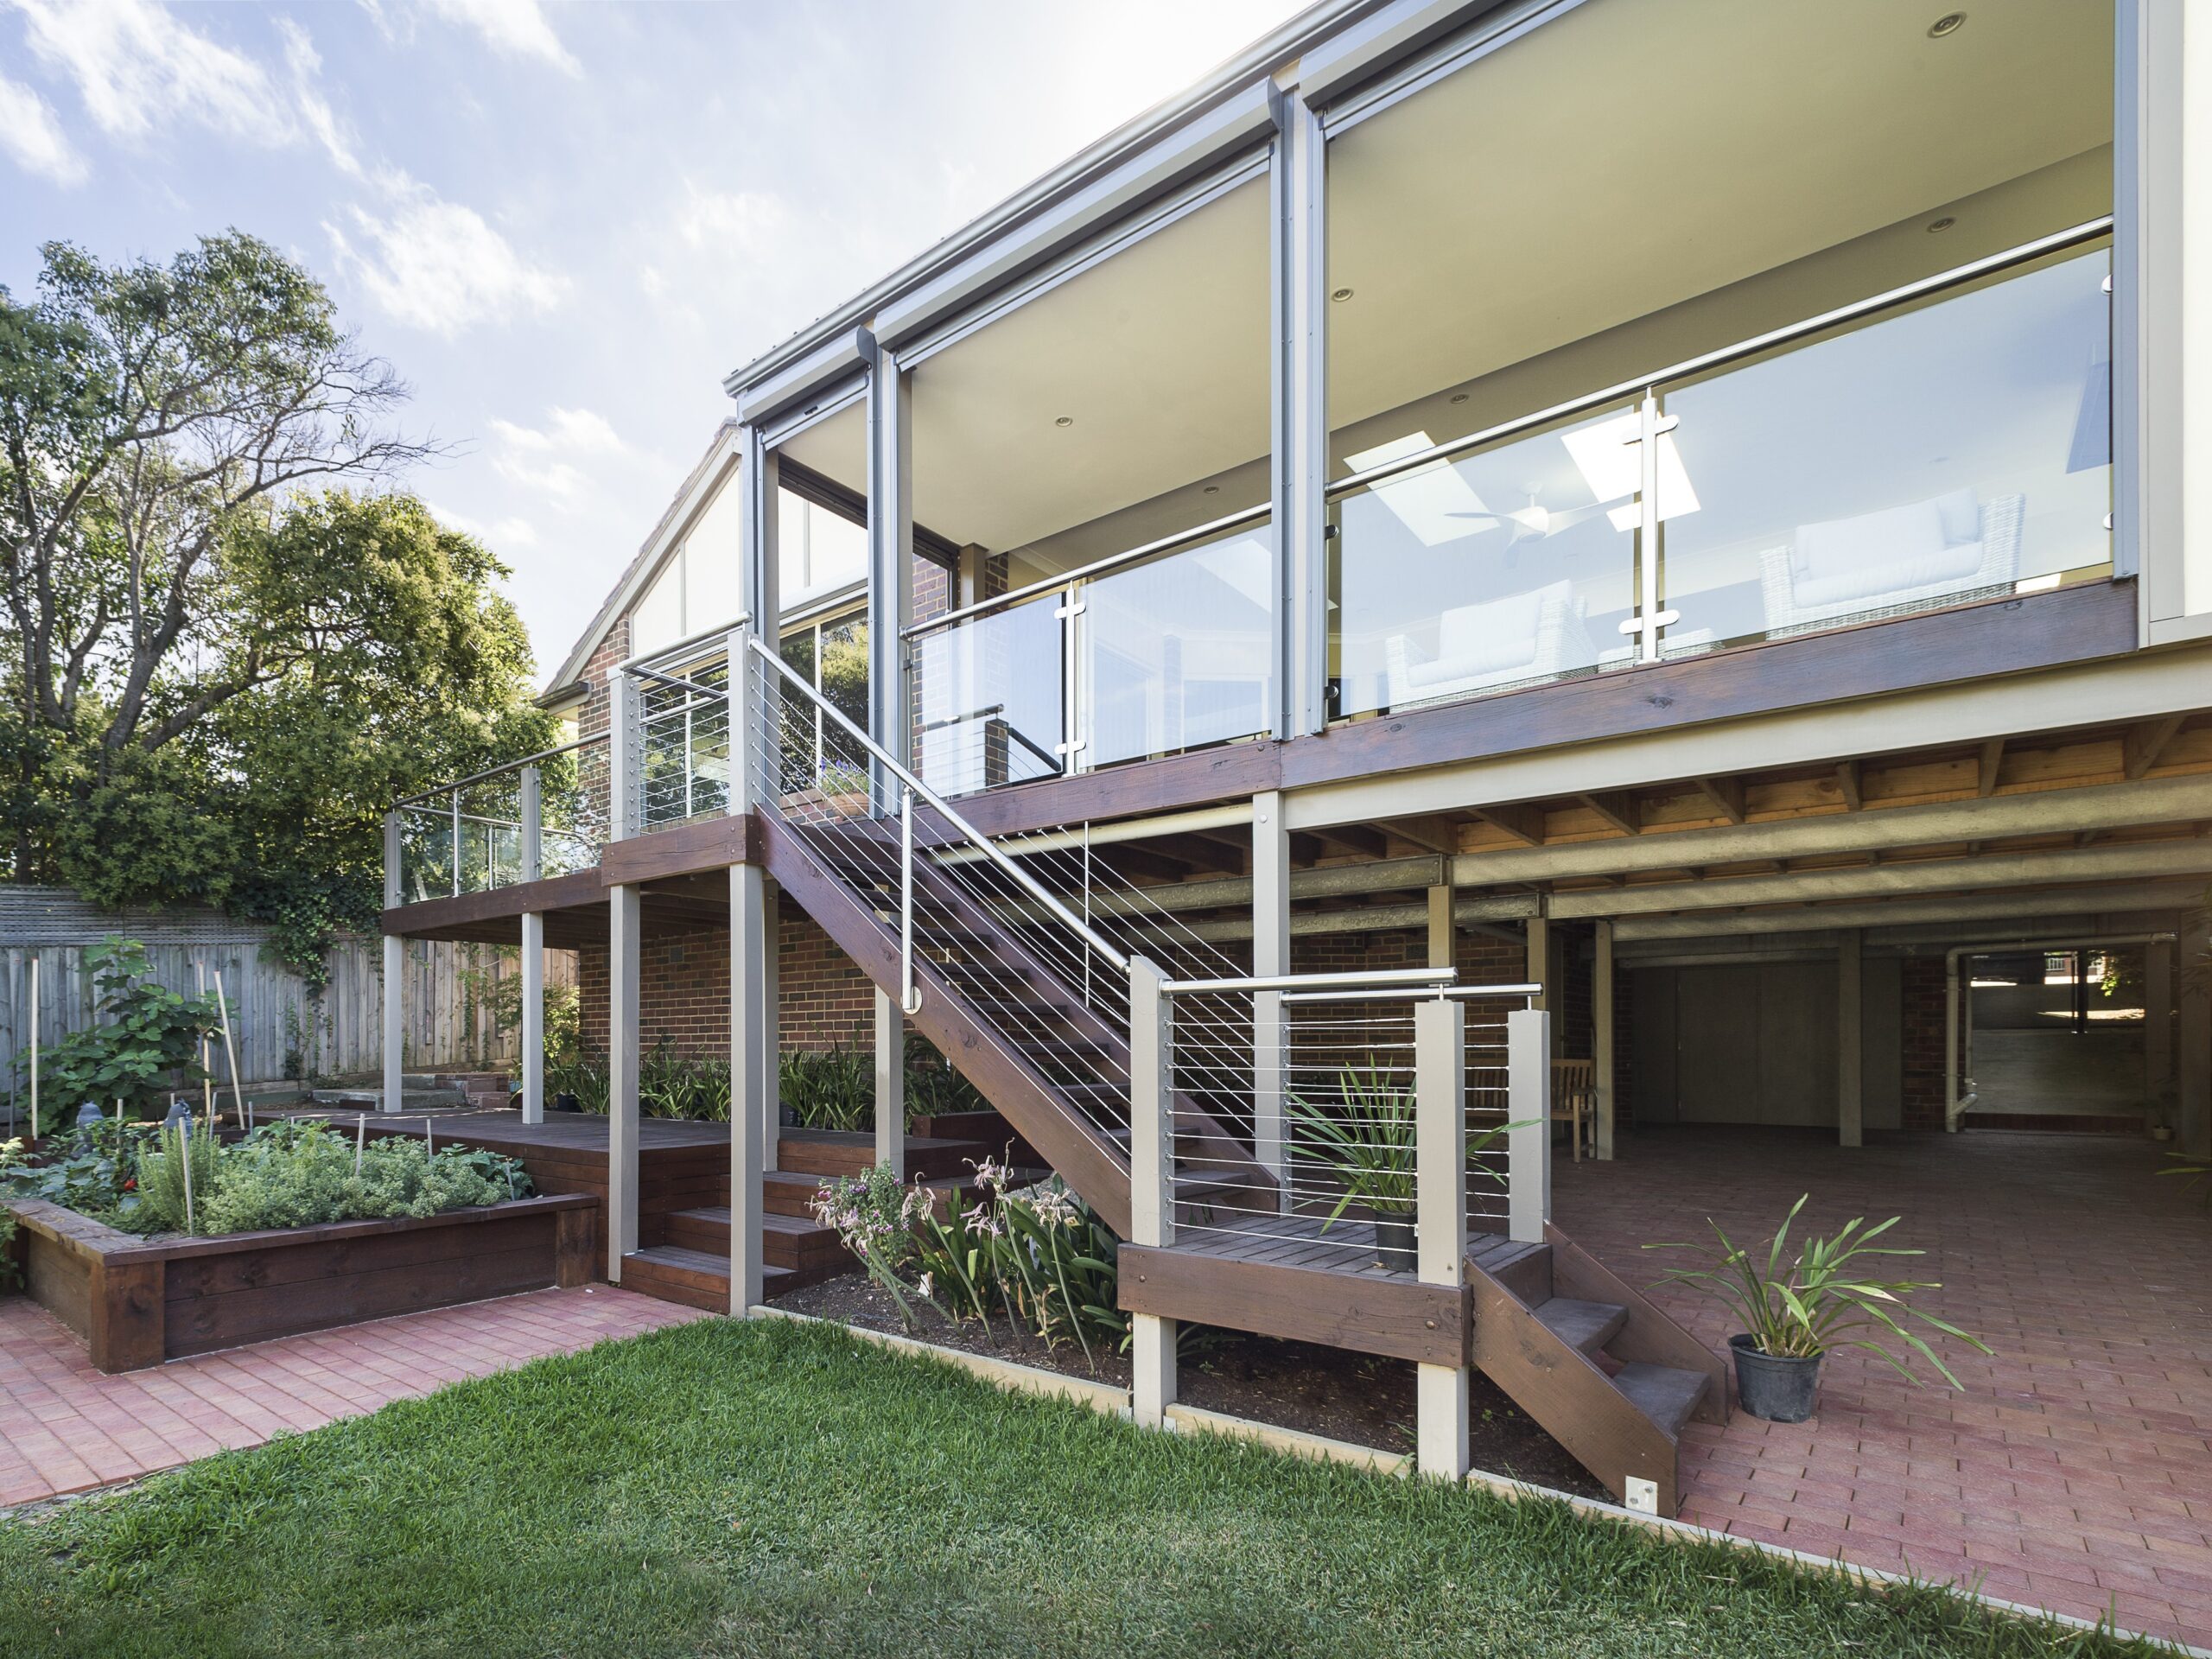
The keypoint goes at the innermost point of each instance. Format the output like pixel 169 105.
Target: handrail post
pixel 533 952
pixel 910 990
pixel 455 861
pixel 395 976
pixel 622 756
pixel 1528 1109
pixel 1152 1195
pixel 1440 1218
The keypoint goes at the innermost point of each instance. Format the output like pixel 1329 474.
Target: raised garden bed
pixel 136 1302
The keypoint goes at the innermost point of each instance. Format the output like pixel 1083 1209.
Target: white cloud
pixel 138 70
pixel 435 265
pixel 495 534
pixel 306 65
pixel 741 224
pixel 31 135
pixel 513 29
pixel 543 459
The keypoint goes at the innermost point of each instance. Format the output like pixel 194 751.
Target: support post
pixel 1528 1111
pixel 1152 1195
pixel 1297 262
pixel 1951 1043
pixel 768 1014
pixel 1440 1218
pixel 1442 941
pixel 533 952
pixel 2193 1043
pixel 890 1083
pixel 1850 1060
pixel 891 566
pixel 1270 957
pixel 395 980
pixel 1539 964
pixel 1603 1062
pixel 623 927
pixel 752 1073
pixel 2158 1020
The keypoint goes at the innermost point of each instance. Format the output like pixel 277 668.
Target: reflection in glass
pixel 1508 567
pixel 1957 452
pixel 1180 650
pixel 990 690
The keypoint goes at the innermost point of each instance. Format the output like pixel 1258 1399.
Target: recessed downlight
pixel 1212 489
pixel 1341 296
pixel 1943 224
pixel 1458 397
pixel 1064 420
pixel 1946 25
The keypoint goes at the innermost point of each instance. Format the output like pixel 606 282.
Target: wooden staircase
pixel 1600 1368
pixel 1605 1372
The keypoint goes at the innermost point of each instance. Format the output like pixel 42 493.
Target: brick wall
pixel 1923 1043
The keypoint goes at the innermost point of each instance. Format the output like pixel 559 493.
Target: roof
pixel 720 456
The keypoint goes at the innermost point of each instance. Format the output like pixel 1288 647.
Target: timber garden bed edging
pixel 1112 1402
pixel 135 1302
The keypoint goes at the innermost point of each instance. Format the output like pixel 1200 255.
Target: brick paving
pixel 64 1428
pixel 2073 1471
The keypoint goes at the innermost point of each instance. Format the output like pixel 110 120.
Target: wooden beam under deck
pixel 1392 1315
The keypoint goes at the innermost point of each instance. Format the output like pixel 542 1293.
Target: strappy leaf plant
pixel 1366 1136
pixel 1826 1296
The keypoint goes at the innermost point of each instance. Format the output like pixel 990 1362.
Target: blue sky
pixel 563 224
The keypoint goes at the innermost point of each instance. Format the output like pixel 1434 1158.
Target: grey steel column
pixel 533 952
pixel 395 976
pixel 1270 958
pixel 1298 192
pixel 890 611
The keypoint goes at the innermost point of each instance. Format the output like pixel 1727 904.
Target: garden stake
pixel 207 1071
pixel 360 1139
pixel 230 1048
pixel 34 1045
pixel 184 1151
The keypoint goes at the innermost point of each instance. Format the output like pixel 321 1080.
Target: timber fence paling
pixel 279 1026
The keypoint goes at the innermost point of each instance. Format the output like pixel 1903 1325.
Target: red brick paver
pixel 64 1428
pixel 2074 1470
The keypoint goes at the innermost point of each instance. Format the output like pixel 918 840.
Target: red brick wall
pixel 1923 1043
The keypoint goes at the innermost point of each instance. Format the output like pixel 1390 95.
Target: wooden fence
pixel 283 1030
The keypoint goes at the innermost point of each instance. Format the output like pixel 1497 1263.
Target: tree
pixel 226 662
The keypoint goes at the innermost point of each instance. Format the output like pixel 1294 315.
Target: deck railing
pixel 1385 1122
pixel 545 815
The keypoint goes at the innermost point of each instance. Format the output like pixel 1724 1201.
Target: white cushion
pixel 1496 634
pixel 1894 550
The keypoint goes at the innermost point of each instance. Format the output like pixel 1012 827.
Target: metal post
pixel 1440 1219
pixel 1270 1020
pixel 1075 713
pixel 890 1084
pixel 1152 1196
pixel 1528 1109
pixel 1298 187
pixel 910 993
pixel 623 925
pixel 533 952
pixel 622 756
pixel 395 1022
pixel 891 565
pixel 1648 618
pixel 753 1075
pixel 455 861
pixel 1951 1042
pixel 1604 1060
pixel 34 1046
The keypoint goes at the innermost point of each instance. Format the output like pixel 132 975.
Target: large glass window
pixel 1608 196
pixel 1101 451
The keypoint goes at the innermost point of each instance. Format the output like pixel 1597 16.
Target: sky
pixel 564 224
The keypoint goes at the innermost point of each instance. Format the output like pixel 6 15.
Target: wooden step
pixel 1586 1326
pixel 1524 1269
pixel 793 1241
pixel 670 1273
pixel 824 1153
pixel 1666 1395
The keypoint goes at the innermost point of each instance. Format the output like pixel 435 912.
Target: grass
pixel 777 1488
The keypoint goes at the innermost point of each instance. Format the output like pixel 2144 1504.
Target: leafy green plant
pixel 147 1045
pixel 2192 1171
pixel 873 1215
pixel 1802 1307
pixel 11 1274
pixel 90 1168
pixel 934 1089
pixel 828 1089
pixel 1365 1138
pixel 585 1075
pixel 165 1204
pixel 670 1085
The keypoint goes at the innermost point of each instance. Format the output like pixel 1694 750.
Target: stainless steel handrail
pixel 510 766
pixel 1096 567
pixel 662 653
pixel 1415 994
pixel 1293 982
pixel 2086 231
pixel 936 803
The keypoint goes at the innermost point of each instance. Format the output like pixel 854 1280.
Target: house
pixel 1645 556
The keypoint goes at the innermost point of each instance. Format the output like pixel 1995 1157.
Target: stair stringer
pixel 1651 1335
pixel 1569 1395
pixel 1091 1164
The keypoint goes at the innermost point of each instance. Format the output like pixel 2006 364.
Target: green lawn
pixel 777 1488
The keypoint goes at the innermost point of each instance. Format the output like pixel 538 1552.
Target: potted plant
pixel 1796 1311
pixel 1365 1138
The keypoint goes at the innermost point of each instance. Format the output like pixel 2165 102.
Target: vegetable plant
pixel 147 1045
pixel 1826 1296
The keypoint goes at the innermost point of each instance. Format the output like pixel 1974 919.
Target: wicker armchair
pixel 1520 639
pixel 1920 558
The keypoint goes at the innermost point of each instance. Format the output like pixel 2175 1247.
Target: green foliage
pixel 584 1074
pixel 828 1089
pixel 1367 1137
pixel 176 1177
pixel 11 1273
pixel 670 1085
pixel 2192 1171
pixel 225 678
pixel 90 1168
pixel 1824 1293
pixel 147 1045
pixel 934 1089
pixel 300 1173
pixel 1038 1257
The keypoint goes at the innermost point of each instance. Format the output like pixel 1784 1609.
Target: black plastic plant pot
pixel 1394 1243
pixel 565 1102
pixel 1778 1387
